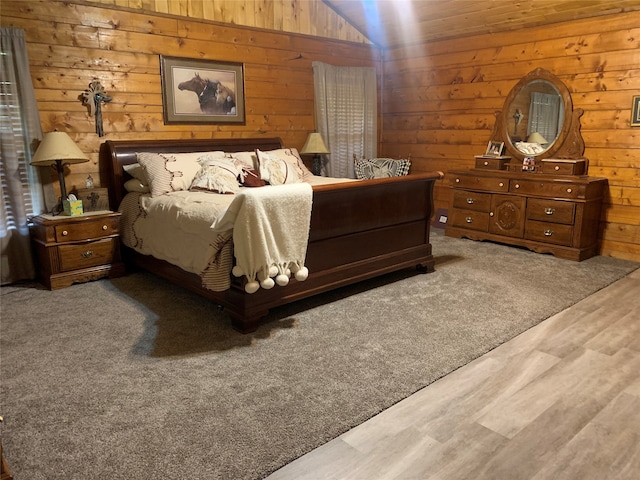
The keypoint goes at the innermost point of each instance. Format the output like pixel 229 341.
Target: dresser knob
pixel 569 190
pixel 548 233
pixel 491 214
pixel 65 233
pixel 468 220
pixel 517 185
pixel 549 211
pixel 470 201
pixel 87 254
pixel 104 227
pixel 457 180
pixel 501 184
pixel 557 168
pixel 486 163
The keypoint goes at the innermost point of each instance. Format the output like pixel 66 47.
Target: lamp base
pixel 316 167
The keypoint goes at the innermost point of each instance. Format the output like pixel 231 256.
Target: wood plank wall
pixel 439 101
pixel 70 43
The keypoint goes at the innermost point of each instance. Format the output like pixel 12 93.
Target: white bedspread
pixel 177 228
pixel 270 233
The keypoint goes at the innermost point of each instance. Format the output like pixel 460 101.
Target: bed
pixel 358 230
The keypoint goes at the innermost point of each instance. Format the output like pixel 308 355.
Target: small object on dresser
pixel 89 181
pixel 72 206
pixel 94 199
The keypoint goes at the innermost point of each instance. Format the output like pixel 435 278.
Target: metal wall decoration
pixel 94 97
pixel 635 112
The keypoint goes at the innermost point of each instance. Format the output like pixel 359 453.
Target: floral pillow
pixel 381 168
pixel 277 168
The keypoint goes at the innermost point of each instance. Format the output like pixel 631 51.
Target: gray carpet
pixel 134 378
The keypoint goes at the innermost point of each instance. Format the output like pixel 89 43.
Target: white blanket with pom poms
pixel 270 233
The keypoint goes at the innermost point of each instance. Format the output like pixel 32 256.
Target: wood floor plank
pixel 559 401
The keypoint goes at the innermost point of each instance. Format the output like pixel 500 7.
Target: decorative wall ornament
pixel 94 97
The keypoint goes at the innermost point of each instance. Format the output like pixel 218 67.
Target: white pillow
pixel 135 185
pixel 219 175
pixel 278 169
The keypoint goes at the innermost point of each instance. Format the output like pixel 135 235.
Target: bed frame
pixel 358 230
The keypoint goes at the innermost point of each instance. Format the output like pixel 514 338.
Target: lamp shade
pixel 535 137
pixel 314 145
pixel 57 146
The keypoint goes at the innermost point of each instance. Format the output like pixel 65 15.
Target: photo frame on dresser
pixel 202 91
pixel 494 149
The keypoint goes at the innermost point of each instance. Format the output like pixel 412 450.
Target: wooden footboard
pixel 359 230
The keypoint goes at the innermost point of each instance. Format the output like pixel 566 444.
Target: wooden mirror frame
pixel 568 144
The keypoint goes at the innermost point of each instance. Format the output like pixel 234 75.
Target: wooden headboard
pixel 116 153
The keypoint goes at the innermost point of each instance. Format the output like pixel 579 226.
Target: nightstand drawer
pixel 100 227
pixel 82 255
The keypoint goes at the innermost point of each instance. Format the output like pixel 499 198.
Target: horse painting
pixel 213 97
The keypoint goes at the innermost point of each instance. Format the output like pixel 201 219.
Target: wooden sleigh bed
pixel 358 230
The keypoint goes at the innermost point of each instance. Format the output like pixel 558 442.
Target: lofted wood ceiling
pixel 392 23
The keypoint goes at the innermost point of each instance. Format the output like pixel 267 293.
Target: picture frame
pixel 635 111
pixel 494 149
pixel 202 91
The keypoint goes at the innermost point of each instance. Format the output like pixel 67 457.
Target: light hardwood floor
pixel 560 401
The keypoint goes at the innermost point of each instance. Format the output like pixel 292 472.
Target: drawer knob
pixel 104 227
pixel 517 185
pixel 491 214
pixel 87 254
pixel 65 233
pixel 501 184
pixel 549 211
pixel 468 220
pixel 556 168
pixel 548 233
pixel 457 180
pixel 470 201
pixel 569 190
pixel 486 163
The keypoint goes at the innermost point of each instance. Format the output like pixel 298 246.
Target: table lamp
pixel 535 137
pixel 315 146
pixel 57 150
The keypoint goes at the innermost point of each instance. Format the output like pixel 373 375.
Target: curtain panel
pixel 21 184
pixel 346 115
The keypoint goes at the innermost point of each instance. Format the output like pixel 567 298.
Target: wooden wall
pixel 70 43
pixel 439 101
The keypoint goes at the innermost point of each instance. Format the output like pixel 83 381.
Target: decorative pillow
pixel 136 171
pixel 250 178
pixel 247 158
pixel 218 174
pixel 381 168
pixel 135 185
pixel 171 172
pixel 291 156
pixel 278 169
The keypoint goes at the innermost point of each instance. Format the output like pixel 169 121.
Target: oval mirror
pixel 538 117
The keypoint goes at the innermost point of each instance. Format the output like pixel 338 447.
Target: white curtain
pixel 21 187
pixel 545 115
pixel 346 115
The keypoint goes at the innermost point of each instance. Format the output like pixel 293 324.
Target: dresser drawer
pixel 549 232
pixel 551 211
pixel 467 200
pixel 542 188
pixel 489 184
pixel 88 254
pixel 470 219
pixel 96 228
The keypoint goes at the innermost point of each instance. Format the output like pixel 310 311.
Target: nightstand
pixel 78 249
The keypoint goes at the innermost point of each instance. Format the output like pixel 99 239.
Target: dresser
pixel 557 214
pixel 70 250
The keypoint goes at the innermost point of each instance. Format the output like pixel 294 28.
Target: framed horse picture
pixel 202 91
